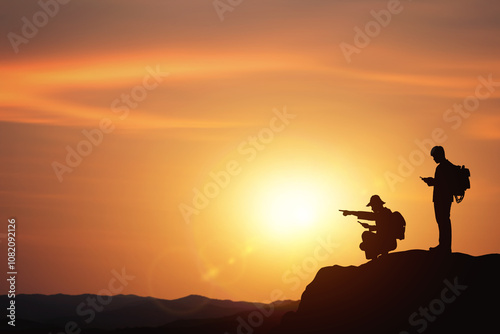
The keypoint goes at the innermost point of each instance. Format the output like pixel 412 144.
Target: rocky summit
pixel 415 291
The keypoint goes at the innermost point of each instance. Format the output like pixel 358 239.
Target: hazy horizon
pixel 207 151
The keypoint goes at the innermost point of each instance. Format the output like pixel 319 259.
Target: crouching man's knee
pixel 367 235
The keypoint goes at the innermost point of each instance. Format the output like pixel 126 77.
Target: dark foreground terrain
pixel 406 292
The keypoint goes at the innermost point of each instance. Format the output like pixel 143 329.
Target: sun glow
pixel 290 208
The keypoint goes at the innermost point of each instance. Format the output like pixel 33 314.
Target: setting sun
pixel 288 208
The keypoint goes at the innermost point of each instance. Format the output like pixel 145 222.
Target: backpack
pixel 398 225
pixel 461 183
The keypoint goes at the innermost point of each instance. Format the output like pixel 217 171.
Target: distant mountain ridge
pixel 123 311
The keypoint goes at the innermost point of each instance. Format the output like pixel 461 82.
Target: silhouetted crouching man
pixel 379 239
pixel 442 197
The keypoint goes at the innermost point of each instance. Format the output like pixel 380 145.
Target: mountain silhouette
pixel 405 292
pixel 134 314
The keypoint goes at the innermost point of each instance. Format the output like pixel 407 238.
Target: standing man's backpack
pixel 398 225
pixel 461 183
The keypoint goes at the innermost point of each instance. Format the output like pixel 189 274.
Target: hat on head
pixel 375 199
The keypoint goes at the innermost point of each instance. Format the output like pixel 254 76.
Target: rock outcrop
pixel 405 292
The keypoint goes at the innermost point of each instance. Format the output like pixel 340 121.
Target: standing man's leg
pixel 442 213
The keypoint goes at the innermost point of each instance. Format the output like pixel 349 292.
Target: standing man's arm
pixel 429 180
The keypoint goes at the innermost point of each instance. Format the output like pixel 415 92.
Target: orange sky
pixel 213 106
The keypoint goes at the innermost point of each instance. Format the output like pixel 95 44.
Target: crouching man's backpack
pixel 398 225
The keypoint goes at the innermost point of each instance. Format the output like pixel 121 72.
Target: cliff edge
pixel 404 292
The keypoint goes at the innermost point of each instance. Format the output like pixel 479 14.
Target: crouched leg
pixel 369 244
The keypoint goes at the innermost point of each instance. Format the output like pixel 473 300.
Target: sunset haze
pixel 208 151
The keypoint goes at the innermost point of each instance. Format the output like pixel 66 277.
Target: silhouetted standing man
pixel 442 197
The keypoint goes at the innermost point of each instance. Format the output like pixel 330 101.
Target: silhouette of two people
pixel 389 226
pixel 442 197
pixel 380 238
